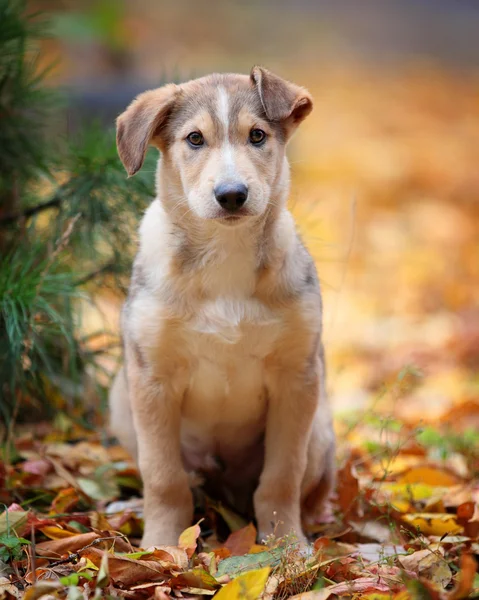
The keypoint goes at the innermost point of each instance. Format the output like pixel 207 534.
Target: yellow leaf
pixel 187 540
pixel 408 491
pixel 429 476
pixel 256 548
pixel 434 523
pixel 396 465
pixel 56 533
pixel 383 596
pixel 88 565
pixel 248 586
pixel 403 495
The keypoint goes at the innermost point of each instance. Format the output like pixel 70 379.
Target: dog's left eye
pixel 195 139
pixel 256 136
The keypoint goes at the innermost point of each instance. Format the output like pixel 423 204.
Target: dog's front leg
pixel 168 503
pixel 292 404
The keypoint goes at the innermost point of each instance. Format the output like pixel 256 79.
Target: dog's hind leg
pixel 320 476
pixel 121 420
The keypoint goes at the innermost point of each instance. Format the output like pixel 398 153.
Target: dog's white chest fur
pixel 228 340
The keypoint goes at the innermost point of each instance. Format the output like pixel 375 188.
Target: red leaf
pixel 240 542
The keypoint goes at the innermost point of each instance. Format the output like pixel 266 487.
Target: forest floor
pixel 386 194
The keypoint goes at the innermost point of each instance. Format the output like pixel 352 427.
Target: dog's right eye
pixel 195 139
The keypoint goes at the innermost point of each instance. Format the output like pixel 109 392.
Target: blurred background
pixel 385 171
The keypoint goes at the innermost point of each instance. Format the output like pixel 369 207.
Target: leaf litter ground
pixel 404 522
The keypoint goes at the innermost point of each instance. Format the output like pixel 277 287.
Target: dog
pixel 223 359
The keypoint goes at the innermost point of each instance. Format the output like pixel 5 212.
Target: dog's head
pixel 222 138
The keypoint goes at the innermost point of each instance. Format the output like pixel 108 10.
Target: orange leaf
pixel 466 578
pixel 257 548
pixel 221 553
pixel 240 542
pixel 468 517
pixel 429 476
pixel 65 501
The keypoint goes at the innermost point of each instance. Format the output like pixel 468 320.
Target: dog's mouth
pixel 234 217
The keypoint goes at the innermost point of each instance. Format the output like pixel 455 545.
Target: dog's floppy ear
pixel 282 100
pixel 141 121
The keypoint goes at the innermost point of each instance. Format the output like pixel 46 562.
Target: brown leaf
pixel 348 490
pixel 42 588
pixel 240 542
pixel 362 584
pixel 428 564
pixel 197 578
pixel 128 571
pixel 69 545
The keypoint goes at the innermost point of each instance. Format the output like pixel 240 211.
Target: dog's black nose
pixel 231 196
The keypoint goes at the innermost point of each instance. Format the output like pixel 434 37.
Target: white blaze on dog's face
pixel 222 140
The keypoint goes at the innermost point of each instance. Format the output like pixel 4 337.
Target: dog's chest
pixel 227 342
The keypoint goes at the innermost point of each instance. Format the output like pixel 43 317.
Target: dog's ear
pixel 282 100
pixel 140 123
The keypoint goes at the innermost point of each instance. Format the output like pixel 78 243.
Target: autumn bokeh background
pixel 385 172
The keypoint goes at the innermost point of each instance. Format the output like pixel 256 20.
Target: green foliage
pixel 11 547
pixel 36 320
pixel 446 443
pixel 24 104
pixel 67 213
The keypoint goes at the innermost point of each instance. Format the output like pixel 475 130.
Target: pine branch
pixel 29 212
pixel 109 267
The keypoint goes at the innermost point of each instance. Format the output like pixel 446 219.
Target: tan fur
pixel 224 369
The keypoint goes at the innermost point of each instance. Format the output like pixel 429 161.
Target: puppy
pixel 224 368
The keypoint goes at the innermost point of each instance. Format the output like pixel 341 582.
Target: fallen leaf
pixel 348 490
pixel 7 587
pixel 68 545
pixel 42 588
pixel 248 586
pixel 361 584
pixel 241 541
pixel 235 565
pixel 196 578
pixel 430 564
pixel 187 540
pixel 13 519
pixel 323 594
pixel 54 532
pixel 429 476
pixel 468 517
pixel 37 467
pixel 65 501
pixel 466 578
pixel 434 523
pixel 128 572
pixel 233 520
pixel 103 575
